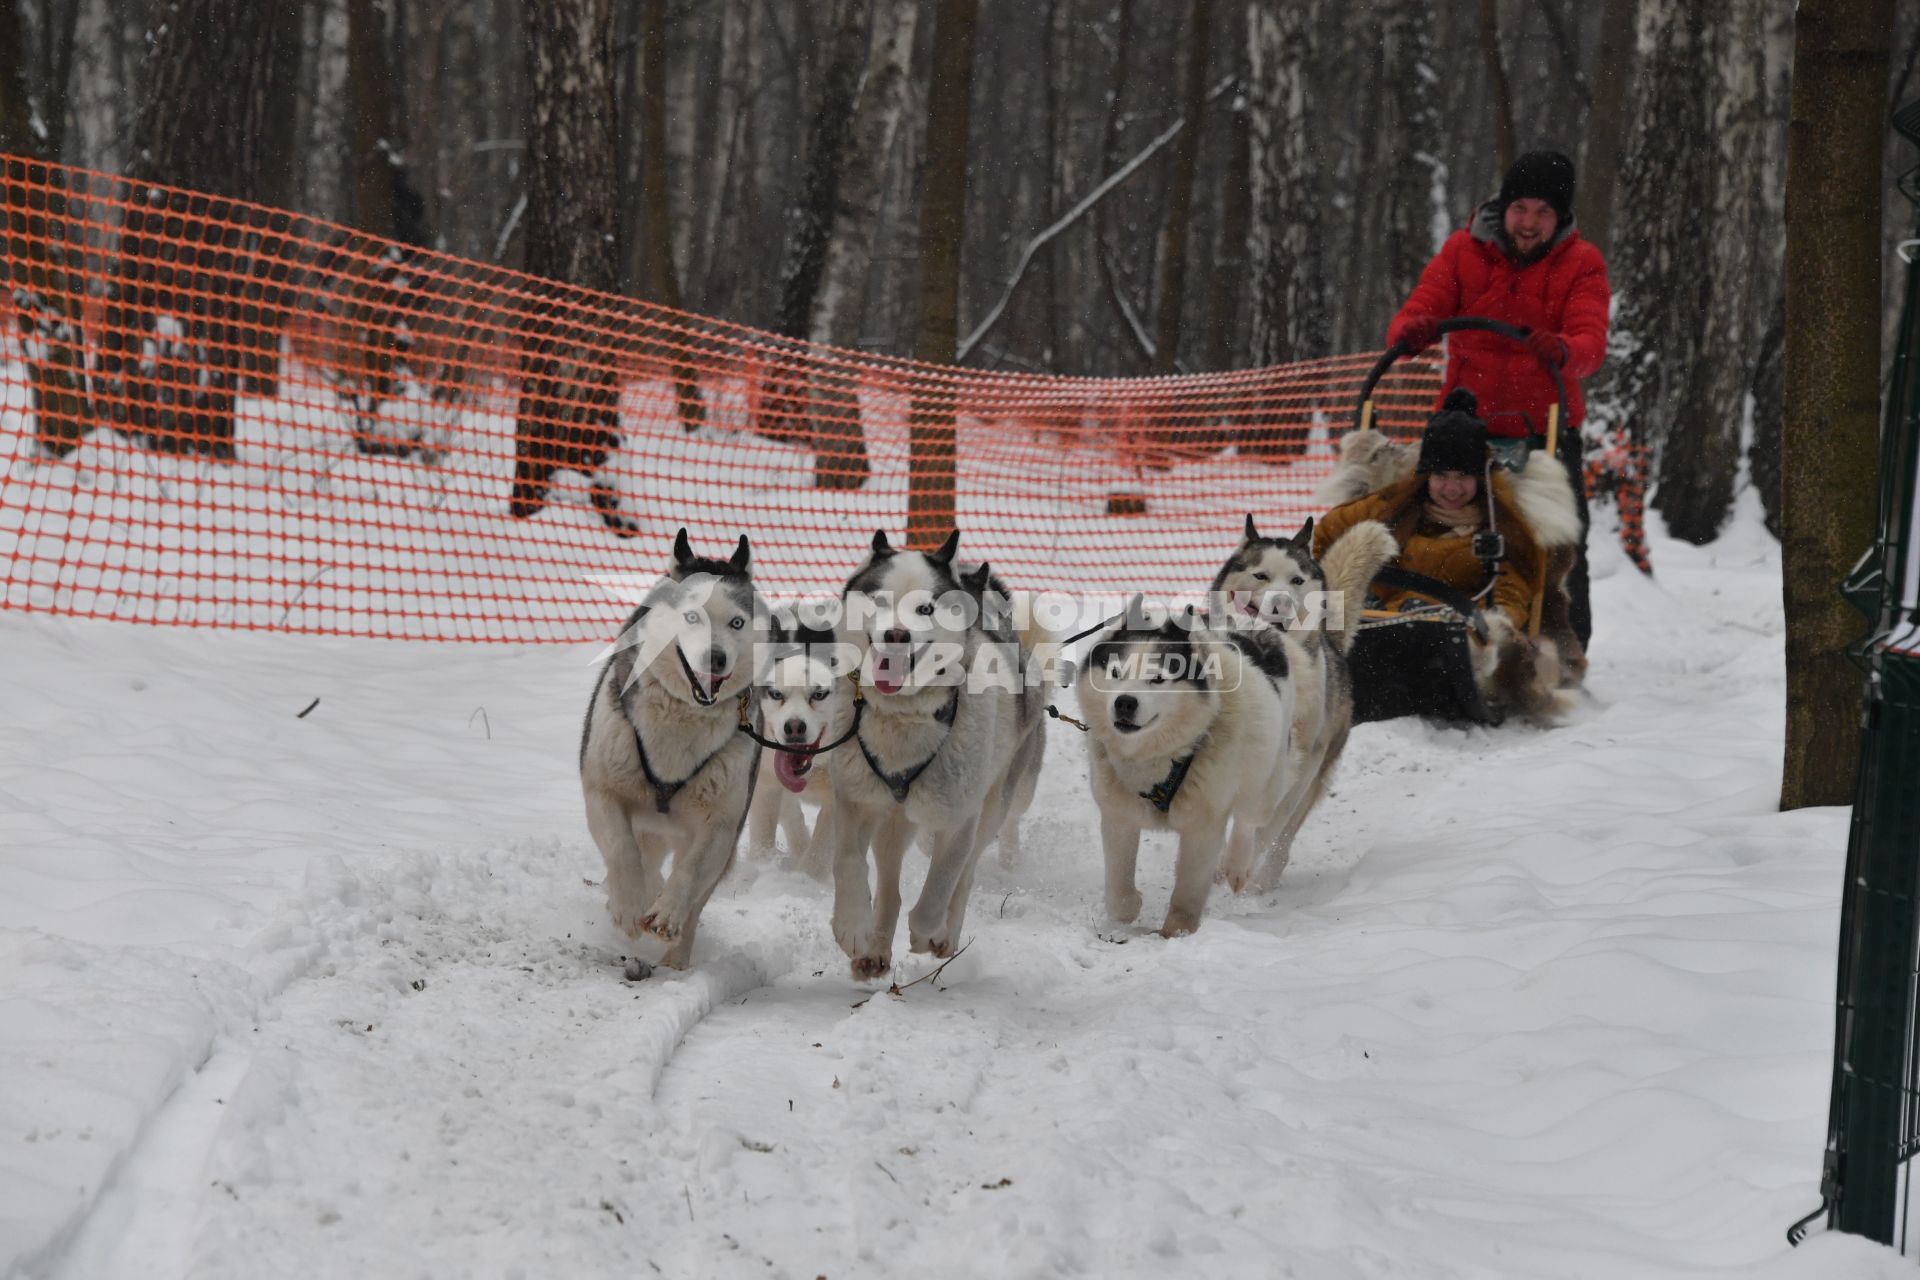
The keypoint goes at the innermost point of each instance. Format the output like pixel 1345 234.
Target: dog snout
pixel 1125 706
pixel 718 660
pixel 897 635
pixel 795 729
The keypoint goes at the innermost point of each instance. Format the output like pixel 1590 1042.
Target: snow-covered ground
pixel 336 995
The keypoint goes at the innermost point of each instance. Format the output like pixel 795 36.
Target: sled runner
pixel 1419 661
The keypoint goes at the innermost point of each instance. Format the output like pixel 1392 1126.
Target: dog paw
pixel 661 924
pixel 871 968
pixel 939 945
pixel 1179 924
pixel 1124 907
pixel 627 917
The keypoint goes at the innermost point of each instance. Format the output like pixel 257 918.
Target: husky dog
pixel 1309 610
pixel 807 703
pixel 1186 730
pixel 663 761
pixel 952 736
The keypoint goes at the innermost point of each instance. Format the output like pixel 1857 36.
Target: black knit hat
pixel 1540 175
pixel 1455 438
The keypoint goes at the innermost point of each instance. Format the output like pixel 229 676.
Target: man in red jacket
pixel 1520 260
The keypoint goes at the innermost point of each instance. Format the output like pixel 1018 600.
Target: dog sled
pixel 1420 660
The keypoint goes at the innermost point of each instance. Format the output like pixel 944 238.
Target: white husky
pixel 950 742
pixel 808 705
pixel 1309 611
pixel 1188 730
pixel 664 763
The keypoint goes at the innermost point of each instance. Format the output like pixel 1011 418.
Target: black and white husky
pixel 1309 610
pixel 949 747
pixel 664 761
pixel 1188 729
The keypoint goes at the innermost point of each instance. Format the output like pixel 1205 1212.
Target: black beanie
pixel 1455 438
pixel 1541 175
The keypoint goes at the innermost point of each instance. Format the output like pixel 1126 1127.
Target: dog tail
pixel 1368 461
pixel 1349 566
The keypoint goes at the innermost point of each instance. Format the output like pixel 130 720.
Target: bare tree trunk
pixel 370 118
pixel 839 307
pixel 1498 89
pixel 1830 432
pixel 931 441
pixel 811 217
pixel 1288 272
pixel 1612 78
pixel 1413 136
pixel 569 392
pixel 171 354
pixel 16 112
pixel 1186 155
pixel 1230 258
pixel 1763 456
pixel 1664 253
pixel 659 281
pixel 1062 181
pixel 1701 458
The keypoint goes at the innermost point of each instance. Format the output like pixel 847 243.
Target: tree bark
pixel 370 115
pixel 1700 460
pixel 1664 254
pixel 16 112
pixel 931 440
pixel 810 218
pixel 1830 428
pixel 1763 456
pixel 1290 313
pixel 1185 157
pixel 1413 135
pixel 839 307
pixel 659 281
pixel 569 392
pixel 171 355
pixel 1612 80
pixel 1230 258
pixel 1498 90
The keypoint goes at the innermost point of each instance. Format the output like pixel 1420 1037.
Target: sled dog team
pixel 920 717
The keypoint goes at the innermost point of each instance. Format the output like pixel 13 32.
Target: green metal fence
pixel 1874 1125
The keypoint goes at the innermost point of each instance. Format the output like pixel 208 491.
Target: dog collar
pixel 1161 794
pixel 900 783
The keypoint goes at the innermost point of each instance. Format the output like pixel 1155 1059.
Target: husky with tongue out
pixel 664 761
pixel 807 705
pixel 949 745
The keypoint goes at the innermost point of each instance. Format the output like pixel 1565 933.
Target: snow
pixel 336 994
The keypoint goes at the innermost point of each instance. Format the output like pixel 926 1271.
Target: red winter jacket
pixel 1564 291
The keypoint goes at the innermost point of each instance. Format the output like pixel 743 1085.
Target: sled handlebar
pixel 1362 415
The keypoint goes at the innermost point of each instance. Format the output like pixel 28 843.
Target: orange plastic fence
pixel 222 414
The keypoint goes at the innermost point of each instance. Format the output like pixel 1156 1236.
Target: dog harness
pixel 1161 794
pixel 664 791
pixel 900 783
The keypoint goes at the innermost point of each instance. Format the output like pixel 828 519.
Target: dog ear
pixel 881 547
pixel 1304 538
pixel 682 549
pixel 1253 534
pixel 976 582
pixel 945 553
pixel 742 555
pixel 1135 617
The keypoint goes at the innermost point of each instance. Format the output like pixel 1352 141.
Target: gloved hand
pixel 1419 333
pixel 1549 349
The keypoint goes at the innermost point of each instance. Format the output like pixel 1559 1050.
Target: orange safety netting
pixel 222 414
